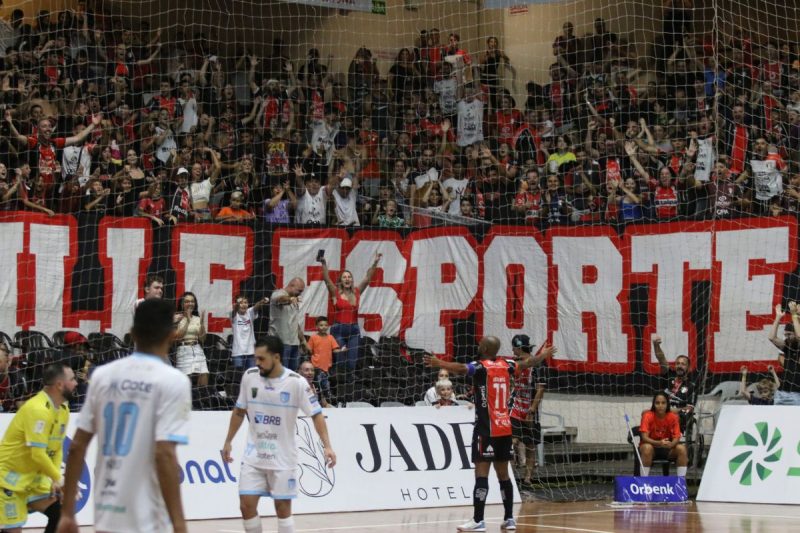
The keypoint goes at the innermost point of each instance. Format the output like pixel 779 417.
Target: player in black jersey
pixel 491 437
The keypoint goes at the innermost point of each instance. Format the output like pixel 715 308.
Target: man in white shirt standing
pixel 271 397
pixel 244 336
pixel 312 198
pixel 139 407
pixel 470 117
pixel 345 198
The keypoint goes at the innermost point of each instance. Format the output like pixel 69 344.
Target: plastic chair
pixel 664 463
pixel 31 340
pixel 391 404
pixel 551 424
pixel 420 403
pixel 358 404
pixel 727 391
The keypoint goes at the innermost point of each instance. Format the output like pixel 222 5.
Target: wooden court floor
pixel 579 517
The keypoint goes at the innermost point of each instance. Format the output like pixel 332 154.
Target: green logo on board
pixel 749 461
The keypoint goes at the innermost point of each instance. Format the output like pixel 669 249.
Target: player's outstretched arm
pixel 453 368
pixel 168 480
pixel 322 431
pixel 77 454
pixel 548 351
pixel 237 417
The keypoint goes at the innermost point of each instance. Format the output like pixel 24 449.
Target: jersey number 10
pixel 120 424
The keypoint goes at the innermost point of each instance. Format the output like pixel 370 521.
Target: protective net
pixel 422 174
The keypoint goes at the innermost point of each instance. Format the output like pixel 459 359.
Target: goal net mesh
pixel 592 175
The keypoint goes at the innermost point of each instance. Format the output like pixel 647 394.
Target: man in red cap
pixel 77 355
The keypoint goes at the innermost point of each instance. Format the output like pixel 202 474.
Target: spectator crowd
pixel 112 118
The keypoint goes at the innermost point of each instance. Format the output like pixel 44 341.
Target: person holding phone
pixel 346 297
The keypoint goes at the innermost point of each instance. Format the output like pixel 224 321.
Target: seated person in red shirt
pixel 660 436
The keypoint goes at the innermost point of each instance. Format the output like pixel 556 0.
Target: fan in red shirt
pixel 47 145
pixel 153 205
pixel 507 121
pixel 660 436
pixel 491 436
pixel 665 195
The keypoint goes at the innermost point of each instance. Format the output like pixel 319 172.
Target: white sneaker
pixel 472 525
pixel 509 524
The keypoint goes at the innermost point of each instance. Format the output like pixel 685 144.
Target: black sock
pixel 53 513
pixel 507 493
pixel 479 497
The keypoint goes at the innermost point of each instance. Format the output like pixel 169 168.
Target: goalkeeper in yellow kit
pixel 31 452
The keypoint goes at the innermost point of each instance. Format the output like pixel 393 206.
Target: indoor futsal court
pixel 579 517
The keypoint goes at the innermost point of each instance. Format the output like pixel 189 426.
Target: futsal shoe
pixel 472 525
pixel 509 524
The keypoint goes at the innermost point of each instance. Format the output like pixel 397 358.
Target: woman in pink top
pixel 346 296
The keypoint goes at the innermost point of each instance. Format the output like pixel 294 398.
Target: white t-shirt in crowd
pixel 75 158
pixel 244 336
pixel 312 209
pixel 470 122
pixel 167 145
pixel 706 155
pixel 272 407
pixel 201 191
pixel 457 189
pixel 447 91
pixel 767 179
pixel 132 404
pixel 190 118
pixel 346 208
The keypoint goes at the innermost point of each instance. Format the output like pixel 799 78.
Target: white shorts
pixel 276 484
pixel 191 360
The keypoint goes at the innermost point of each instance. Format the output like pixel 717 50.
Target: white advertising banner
pixel 388 458
pixel 754 457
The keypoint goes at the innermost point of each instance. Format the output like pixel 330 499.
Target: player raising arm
pixel 139 406
pixel 271 396
pixel 491 437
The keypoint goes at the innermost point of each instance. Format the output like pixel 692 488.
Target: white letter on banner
pixel 11 242
pixel 502 252
pixel 382 301
pixel 50 245
pixel 672 254
pixel 198 251
pixel 741 293
pixel 434 295
pixel 570 255
pixel 294 258
pixel 124 248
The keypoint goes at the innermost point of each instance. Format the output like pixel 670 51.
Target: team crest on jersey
pixel 285 397
pixel 254 391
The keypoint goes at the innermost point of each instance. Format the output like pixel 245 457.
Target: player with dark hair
pixel 31 451
pixel 491 437
pixel 679 388
pixel 529 385
pixel 139 406
pixel 660 436
pixel 153 288
pixel 271 396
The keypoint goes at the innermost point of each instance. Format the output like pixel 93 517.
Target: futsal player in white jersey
pixel 272 396
pixel 139 407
